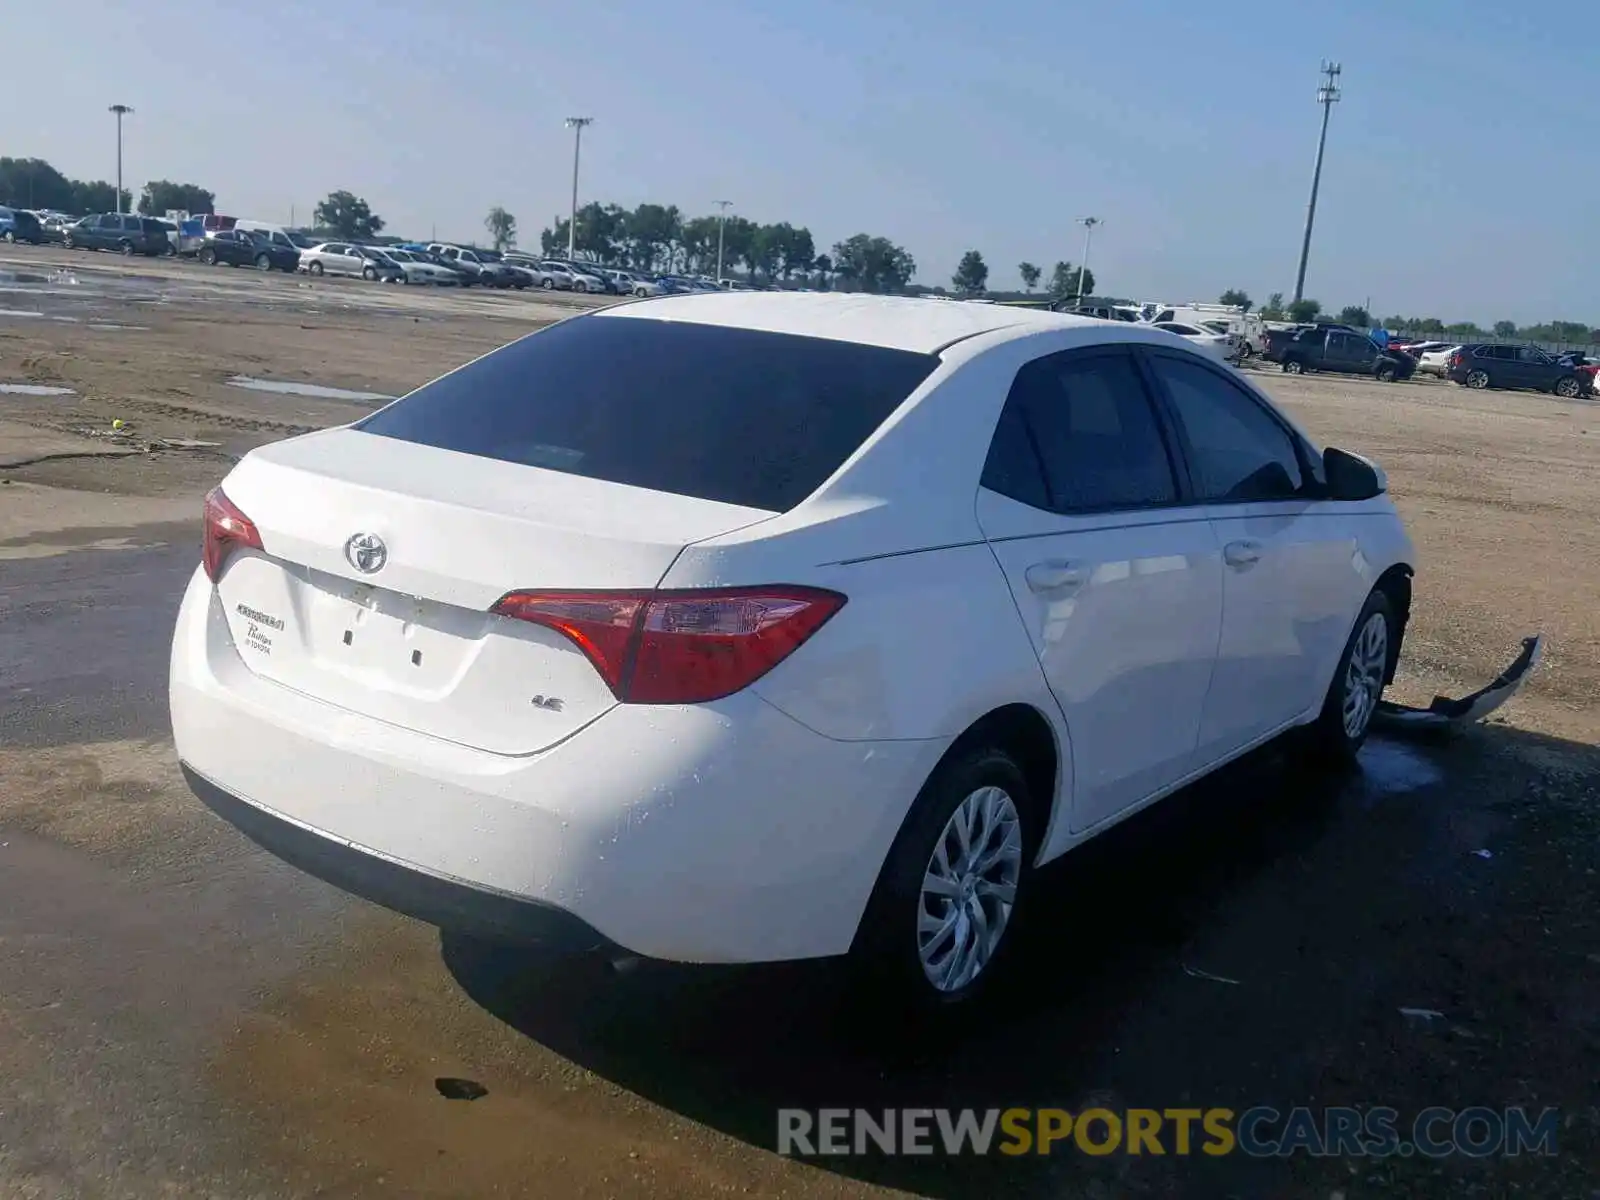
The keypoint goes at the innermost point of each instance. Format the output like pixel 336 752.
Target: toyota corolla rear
pixel 432 658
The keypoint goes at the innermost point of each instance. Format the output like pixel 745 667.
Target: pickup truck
pixel 1336 348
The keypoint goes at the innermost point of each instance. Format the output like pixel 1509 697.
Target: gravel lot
pixel 182 1016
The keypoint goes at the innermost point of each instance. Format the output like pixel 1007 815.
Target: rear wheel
pixel 208 256
pixel 580 286
pixel 263 262
pixel 1358 683
pixel 1293 366
pixel 126 247
pixel 547 283
pixel 1386 373
pixel 10 237
pixel 1477 379
pixel 1568 386
pixel 942 917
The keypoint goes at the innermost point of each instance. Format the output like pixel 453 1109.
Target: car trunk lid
pixel 381 559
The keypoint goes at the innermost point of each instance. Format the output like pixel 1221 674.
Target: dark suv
pixel 1487 366
pixel 123 232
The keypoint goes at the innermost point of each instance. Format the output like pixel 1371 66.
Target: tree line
pixel 972 278
pixel 1275 309
pixel 662 238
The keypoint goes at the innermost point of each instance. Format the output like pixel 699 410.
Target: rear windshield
pixel 736 415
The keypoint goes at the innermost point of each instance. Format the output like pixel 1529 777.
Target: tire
pixel 1568 387
pixel 10 237
pixel 580 286
pixel 315 268
pixel 1245 352
pixel 1293 366
pixel 263 262
pixel 640 292
pixel 67 243
pixel 370 274
pixel 208 256
pixel 1358 683
pixel 1477 380
pixel 901 951
pixel 547 284
pixel 1386 374
pixel 125 247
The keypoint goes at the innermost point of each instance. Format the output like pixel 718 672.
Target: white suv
pixel 755 626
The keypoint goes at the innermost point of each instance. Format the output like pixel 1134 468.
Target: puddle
pixel 303 389
pixel 23 277
pixel 34 389
pixel 1388 767
pixel 20 312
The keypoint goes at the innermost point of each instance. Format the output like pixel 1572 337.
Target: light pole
pixel 1088 224
pixel 722 221
pixel 121 110
pixel 1327 96
pixel 575 124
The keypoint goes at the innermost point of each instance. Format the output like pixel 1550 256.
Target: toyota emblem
pixel 366 553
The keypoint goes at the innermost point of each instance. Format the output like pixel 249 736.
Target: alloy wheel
pixel 1478 379
pixel 969 889
pixel 1363 677
pixel 1567 387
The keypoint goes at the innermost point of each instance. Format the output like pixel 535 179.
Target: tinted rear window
pixel 736 415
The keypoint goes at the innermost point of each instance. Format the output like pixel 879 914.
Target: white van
pixel 276 234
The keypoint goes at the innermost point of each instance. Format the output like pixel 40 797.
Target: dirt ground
pixel 667 1085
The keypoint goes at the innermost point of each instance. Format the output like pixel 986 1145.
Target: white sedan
pixel 1435 359
pixel 1221 346
pixel 893 603
pixel 420 271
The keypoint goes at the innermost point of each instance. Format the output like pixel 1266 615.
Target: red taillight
pixel 1455 360
pixel 682 647
pixel 227 529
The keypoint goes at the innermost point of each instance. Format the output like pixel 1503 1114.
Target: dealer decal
pixel 254 637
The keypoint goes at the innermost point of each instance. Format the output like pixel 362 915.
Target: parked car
pixel 490 273
pixel 334 258
pixel 646 285
pixel 53 229
pixel 1433 358
pixel 645 677
pixel 379 266
pixel 20 225
pixel 568 279
pixel 1502 366
pixel 125 233
pixel 1223 347
pixel 420 269
pixel 235 248
pixel 506 273
pixel 1337 348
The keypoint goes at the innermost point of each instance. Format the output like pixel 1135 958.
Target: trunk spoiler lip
pixel 1447 713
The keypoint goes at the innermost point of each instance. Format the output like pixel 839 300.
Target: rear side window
pixel 1086 428
pixel 736 415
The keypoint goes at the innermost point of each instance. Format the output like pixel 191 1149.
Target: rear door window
pixel 1079 434
pixel 736 415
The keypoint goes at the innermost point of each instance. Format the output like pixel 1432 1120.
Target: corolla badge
pixel 366 552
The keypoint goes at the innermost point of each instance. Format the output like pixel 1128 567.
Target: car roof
pixel 893 322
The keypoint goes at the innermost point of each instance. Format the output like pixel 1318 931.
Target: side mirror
pixel 1351 477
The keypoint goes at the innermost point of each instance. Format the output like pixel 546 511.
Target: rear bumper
pixel 722 832
pixel 435 899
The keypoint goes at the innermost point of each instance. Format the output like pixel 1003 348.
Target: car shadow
pixel 1248 941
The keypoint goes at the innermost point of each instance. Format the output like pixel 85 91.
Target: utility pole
pixel 1088 224
pixel 722 221
pixel 1327 96
pixel 575 124
pixel 121 110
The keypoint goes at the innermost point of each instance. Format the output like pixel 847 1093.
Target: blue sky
pixel 1460 177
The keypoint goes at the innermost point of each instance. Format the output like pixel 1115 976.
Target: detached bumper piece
pixel 1445 713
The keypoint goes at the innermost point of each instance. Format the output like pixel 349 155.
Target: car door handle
pixel 1241 554
pixel 1056 576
